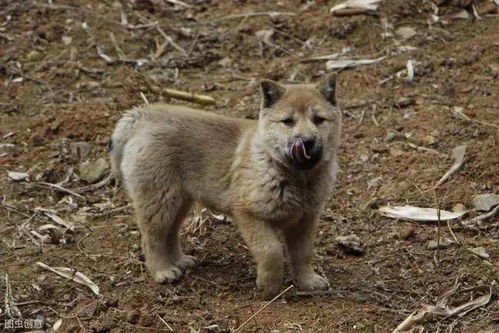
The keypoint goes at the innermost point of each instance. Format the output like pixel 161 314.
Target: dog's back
pixel 193 145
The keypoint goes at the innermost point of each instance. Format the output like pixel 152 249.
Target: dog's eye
pixel 288 121
pixel 318 120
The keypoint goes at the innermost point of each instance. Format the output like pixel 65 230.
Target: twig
pixel 166 324
pixel 144 98
pixel 11 310
pixel 246 15
pixel 178 2
pixel 438 224
pixel 104 56
pixel 95 186
pixel 60 188
pixel 452 232
pixel 458 155
pixel 186 96
pixel 459 112
pixel 171 42
pixel 263 307
pixel 477 222
pixel 118 49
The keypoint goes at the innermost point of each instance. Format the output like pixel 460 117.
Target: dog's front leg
pixel 267 252
pixel 300 244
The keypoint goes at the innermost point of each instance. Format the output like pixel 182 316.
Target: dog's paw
pixel 312 281
pixel 186 262
pixel 167 275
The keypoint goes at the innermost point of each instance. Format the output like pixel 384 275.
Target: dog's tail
pixel 122 133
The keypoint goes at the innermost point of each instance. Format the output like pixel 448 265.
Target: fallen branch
pixel 95 186
pixel 478 222
pixel 171 42
pixel 412 323
pixel 458 111
pixel 263 307
pixel 458 155
pixel 59 188
pixel 246 15
pixel 191 97
pixel 71 274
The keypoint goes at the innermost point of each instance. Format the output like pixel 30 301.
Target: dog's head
pixel 300 124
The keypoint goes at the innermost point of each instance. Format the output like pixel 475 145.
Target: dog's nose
pixel 308 142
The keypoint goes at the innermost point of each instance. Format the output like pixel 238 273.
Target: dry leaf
pixel 17 176
pixel 418 214
pixel 441 309
pixel 359 6
pixel 72 275
pixel 345 63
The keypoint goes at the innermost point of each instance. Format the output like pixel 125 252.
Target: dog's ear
pixel 271 92
pixel 327 87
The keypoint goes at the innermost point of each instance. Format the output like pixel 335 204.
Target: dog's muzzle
pixel 304 152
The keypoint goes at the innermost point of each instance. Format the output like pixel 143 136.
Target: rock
pixel 17 176
pixel 37 140
pixel 80 149
pixel 265 35
pixel 88 85
pixel 403 102
pixel 459 208
pixel 351 244
pixel 225 62
pixel 406 232
pixel 406 32
pixel 390 137
pixel 92 172
pixel 34 55
pixel 485 202
pixel 444 242
pixel 479 251
pixel 133 316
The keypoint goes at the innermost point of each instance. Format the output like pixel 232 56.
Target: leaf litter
pixel 71 274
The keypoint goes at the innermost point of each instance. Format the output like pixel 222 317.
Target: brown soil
pixel 56 91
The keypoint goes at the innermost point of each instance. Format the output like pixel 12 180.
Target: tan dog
pixel 274 173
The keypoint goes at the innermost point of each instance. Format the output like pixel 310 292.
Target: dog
pixel 270 175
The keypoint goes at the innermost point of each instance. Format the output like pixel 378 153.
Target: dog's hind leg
pixel 160 213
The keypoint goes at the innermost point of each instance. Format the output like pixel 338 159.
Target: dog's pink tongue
pixel 299 152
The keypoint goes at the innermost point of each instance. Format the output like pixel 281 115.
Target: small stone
pixel 395 152
pixel 459 208
pixel 430 140
pixel 66 40
pixel 80 149
pixel 34 55
pixel 225 62
pixel 37 141
pixel 88 85
pixel 92 172
pixel 479 251
pixel 444 242
pixel 390 137
pixel 462 15
pixel 351 244
pixel 133 316
pixel 406 233
pixel 403 102
pixel 406 32
pixel 17 176
pixel 485 202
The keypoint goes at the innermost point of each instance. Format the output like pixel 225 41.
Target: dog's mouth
pixel 300 157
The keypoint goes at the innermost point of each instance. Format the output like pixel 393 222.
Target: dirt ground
pixel 60 99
